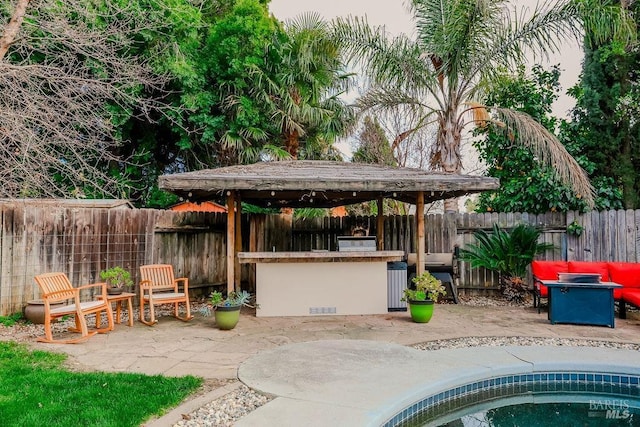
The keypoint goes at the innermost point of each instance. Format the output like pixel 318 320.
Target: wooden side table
pixel 125 296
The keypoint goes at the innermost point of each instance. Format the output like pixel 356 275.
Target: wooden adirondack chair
pixel 56 288
pixel 159 286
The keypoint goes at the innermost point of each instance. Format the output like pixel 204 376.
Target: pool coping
pixel 366 383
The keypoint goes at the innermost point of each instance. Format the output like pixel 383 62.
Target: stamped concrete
pixel 175 348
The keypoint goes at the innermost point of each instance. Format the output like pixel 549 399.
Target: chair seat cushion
pixel 165 296
pixel 71 308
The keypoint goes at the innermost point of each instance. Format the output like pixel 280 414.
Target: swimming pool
pixel 550 398
pixel 367 383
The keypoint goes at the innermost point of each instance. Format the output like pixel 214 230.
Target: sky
pixel 393 14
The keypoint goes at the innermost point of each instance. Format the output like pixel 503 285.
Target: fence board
pixel 636 217
pixel 630 230
pixel 82 242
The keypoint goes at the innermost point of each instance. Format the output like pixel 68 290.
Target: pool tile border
pixel 510 385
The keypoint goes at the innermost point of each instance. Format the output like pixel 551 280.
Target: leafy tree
pixel 525 184
pixel 234 80
pixel 606 118
pixel 460 45
pixel 508 253
pixel 205 50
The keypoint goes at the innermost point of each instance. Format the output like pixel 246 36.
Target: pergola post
pixel 231 240
pixel 380 224
pixel 420 244
pixel 238 242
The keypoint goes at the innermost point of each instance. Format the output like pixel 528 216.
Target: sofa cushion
pixel 543 291
pixel 618 293
pixel 631 296
pixel 601 268
pixel 548 270
pixel 626 274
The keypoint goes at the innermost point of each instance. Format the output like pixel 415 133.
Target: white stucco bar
pixel 320 283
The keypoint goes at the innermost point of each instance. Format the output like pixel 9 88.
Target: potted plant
pixel 421 299
pixel 118 279
pixel 227 310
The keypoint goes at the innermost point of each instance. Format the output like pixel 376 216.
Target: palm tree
pixel 508 253
pixel 303 86
pixel 444 73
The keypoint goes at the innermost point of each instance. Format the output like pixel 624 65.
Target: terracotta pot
pixel 34 310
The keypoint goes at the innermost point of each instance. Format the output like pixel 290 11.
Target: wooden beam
pixel 231 237
pixel 420 244
pixel 380 224
pixel 238 242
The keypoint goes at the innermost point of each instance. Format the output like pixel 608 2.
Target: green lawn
pixel 36 390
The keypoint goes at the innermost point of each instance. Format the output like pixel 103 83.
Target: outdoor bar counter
pixel 320 282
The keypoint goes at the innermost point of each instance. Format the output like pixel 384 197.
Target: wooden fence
pixel 82 242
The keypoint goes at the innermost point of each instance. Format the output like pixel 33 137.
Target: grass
pixel 37 390
pixel 11 319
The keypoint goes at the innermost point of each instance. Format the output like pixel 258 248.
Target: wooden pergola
pixel 322 184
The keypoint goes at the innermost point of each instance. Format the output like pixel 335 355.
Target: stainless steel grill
pixel 356 243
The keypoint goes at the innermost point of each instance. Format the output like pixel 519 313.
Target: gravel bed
pixel 226 410
pixel 523 341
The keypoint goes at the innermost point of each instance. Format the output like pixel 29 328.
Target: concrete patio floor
pixel 176 348
pixel 173 347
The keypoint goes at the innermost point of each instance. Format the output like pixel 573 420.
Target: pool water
pixel 600 411
pixel 558 399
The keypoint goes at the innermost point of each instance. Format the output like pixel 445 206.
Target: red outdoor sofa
pixel 626 274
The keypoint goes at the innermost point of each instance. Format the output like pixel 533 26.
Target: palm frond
pixel 380 99
pixel 394 62
pixel 506 252
pixel 266 152
pixel 549 151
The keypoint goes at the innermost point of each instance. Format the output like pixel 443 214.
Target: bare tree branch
pixel 68 76
pixel 11 30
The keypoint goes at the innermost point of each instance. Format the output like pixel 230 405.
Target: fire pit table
pixel 581 303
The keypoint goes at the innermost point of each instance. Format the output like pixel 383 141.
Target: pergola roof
pixel 305 183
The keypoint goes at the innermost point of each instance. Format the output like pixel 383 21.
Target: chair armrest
pixel 92 285
pixel 75 297
pixel 538 285
pixel 102 285
pixel 185 283
pixel 536 282
pixel 144 284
